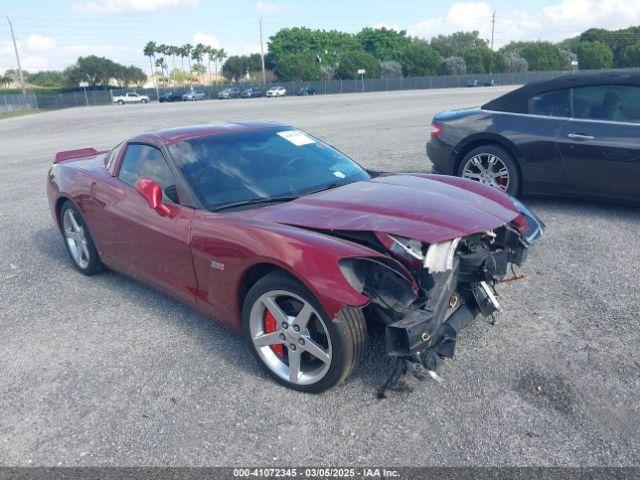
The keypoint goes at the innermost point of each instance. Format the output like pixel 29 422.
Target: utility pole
pixel 264 75
pixel 493 27
pixel 15 47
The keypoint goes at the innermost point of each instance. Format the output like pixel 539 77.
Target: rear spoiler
pixel 79 153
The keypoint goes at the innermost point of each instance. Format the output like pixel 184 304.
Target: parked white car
pixel 130 97
pixel 276 92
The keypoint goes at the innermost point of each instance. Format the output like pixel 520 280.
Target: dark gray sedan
pixel 573 135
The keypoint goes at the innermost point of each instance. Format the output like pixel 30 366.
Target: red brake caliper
pixel 271 325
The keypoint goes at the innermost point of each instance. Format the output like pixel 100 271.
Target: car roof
pixel 517 100
pixel 167 136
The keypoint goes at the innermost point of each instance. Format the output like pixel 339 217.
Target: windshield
pixel 259 164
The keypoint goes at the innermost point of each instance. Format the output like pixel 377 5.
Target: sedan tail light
pixel 435 129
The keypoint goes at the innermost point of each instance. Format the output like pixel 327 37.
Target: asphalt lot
pixel 106 371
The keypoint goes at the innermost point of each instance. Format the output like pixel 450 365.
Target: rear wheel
pixel 78 240
pixel 493 166
pixel 293 339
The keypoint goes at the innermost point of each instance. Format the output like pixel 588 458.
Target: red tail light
pixel 435 129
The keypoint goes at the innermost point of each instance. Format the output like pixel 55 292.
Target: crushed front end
pixel 425 294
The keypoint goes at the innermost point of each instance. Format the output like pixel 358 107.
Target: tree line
pixel 301 53
pixel 94 70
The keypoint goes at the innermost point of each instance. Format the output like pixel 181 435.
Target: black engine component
pixel 383 282
pixel 419 327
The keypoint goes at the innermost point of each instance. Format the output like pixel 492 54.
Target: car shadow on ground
pixel 600 208
pixel 208 336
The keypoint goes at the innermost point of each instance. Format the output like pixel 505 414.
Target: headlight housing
pixel 380 280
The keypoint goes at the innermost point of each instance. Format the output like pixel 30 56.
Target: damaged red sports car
pixel 276 234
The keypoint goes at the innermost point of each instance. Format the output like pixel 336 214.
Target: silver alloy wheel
pixel 489 169
pixel 301 332
pixel 76 239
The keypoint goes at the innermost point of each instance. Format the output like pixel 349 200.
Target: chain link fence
pixel 16 102
pixel 52 101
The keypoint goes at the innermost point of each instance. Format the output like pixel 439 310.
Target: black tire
pixel 95 264
pixel 347 332
pixel 144 101
pixel 507 159
pixel 120 102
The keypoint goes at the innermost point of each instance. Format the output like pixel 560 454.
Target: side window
pixel 145 161
pixel 113 155
pixel 614 103
pixel 556 103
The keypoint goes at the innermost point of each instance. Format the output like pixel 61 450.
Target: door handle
pixel 580 136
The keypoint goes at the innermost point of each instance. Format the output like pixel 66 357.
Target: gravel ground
pixel 106 371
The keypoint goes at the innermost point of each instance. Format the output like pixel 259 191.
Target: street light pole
pixel 15 47
pixel 264 75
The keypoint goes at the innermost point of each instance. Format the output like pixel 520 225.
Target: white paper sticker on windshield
pixel 339 174
pixel 297 137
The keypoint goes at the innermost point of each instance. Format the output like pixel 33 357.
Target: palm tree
pixel 6 80
pixel 187 52
pixel 221 55
pixel 198 54
pixel 162 65
pixel 173 51
pixel 210 51
pixel 150 51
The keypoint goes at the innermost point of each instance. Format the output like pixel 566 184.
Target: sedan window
pixel 556 103
pixel 146 161
pixel 615 103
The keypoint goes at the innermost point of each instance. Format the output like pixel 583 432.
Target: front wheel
pixel 293 339
pixel 120 102
pixel 493 166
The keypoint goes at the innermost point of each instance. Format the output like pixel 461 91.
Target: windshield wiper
pixel 327 187
pixel 253 201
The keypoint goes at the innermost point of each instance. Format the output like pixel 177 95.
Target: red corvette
pixel 278 235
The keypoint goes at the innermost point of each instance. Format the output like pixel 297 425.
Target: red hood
pixel 422 208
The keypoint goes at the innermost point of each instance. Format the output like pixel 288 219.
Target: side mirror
pixel 152 193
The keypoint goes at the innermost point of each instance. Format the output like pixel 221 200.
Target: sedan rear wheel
pixel 294 340
pixel 493 166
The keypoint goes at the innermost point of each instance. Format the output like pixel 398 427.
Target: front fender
pixel 225 248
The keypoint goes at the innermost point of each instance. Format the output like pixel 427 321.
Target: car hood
pixel 425 209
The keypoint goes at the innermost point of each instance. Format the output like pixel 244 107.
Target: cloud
pixel 388 26
pixel 34 63
pixel 555 22
pixel 579 15
pixel 268 7
pixel 460 16
pixel 40 43
pixel 124 6
pixel 206 39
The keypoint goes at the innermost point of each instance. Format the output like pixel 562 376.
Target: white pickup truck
pixel 130 97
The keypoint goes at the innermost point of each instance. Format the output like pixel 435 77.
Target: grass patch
pixel 20 113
